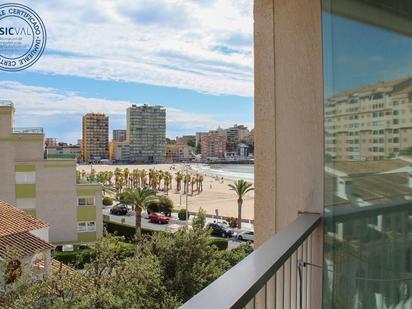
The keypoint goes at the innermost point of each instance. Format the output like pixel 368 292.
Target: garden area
pixel 160 270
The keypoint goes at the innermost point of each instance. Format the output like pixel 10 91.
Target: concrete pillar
pixel 289 119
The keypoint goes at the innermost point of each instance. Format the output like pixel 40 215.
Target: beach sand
pixel 215 195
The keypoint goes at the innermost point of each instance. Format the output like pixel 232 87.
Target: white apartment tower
pixel 146 133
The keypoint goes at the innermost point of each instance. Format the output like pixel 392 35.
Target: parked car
pixel 248 235
pixel 158 218
pixel 221 230
pixel 119 210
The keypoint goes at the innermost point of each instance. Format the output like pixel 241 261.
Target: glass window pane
pixel 368 153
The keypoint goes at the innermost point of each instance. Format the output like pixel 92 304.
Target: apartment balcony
pixel 286 271
pixel 282 273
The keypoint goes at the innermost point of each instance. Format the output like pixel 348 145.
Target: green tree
pixel 241 188
pixel 188 261
pixel 199 221
pixel 139 198
pixel 163 271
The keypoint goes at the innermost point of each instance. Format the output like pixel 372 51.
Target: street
pixel 173 225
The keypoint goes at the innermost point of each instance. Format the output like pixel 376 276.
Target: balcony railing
pixel 278 274
pixel 28 130
pixel 6 103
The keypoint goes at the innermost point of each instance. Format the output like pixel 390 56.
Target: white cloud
pixel 36 104
pixel 200 45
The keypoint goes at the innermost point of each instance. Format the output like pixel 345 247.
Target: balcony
pixel 281 273
pixel 28 130
pixel 6 103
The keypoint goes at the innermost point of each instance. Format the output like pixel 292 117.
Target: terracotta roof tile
pixel 14 220
pixel 22 244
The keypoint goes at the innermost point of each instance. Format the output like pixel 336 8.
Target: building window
pixel 25 177
pixel 81 227
pixel 85 201
pixel 91 226
pixel 86 226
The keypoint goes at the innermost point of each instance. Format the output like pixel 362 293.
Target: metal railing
pixel 278 274
pixel 28 130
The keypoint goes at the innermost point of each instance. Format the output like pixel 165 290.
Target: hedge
pixel 76 258
pixel 125 230
pixel 220 243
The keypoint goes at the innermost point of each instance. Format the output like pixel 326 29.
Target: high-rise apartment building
pixel 46 189
pixel 120 151
pixel 119 135
pixel 146 133
pixel 213 145
pixel 236 133
pixel 95 142
pixel 369 123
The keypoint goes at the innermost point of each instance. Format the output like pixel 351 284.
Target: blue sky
pixel 193 57
pixel 359 54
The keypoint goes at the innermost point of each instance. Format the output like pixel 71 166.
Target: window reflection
pixel 368 153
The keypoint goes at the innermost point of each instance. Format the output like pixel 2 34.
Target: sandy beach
pixel 215 195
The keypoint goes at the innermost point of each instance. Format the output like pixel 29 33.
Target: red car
pixel 158 217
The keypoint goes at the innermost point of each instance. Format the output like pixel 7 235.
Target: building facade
pixel 369 123
pixel 46 189
pixel 95 139
pixel 120 151
pixel 236 133
pixel 63 151
pixel 119 135
pixel 186 140
pixel 213 145
pixel 178 153
pixel 146 133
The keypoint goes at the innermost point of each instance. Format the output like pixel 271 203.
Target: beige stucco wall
pixel 288 119
pixel 52 194
pixel 288 112
pixel 56 200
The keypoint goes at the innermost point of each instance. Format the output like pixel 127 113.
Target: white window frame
pixel 81 230
pixel 86 198
pixel 25 178
pixel 91 226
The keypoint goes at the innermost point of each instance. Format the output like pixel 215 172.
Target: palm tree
pixel 179 178
pixel 143 177
pixel 241 188
pixel 200 183
pixel 126 175
pixel 167 182
pixel 139 198
pixel 192 182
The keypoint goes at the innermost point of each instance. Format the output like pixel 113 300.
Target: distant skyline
pixel 193 57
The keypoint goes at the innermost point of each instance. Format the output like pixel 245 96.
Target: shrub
pixel 220 243
pixel 182 214
pixel 153 206
pixel 199 221
pixel 76 258
pixel 235 255
pixel 107 201
pixel 162 204
pixel 124 230
pixel 166 204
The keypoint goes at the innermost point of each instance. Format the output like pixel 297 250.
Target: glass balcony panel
pixel 368 179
